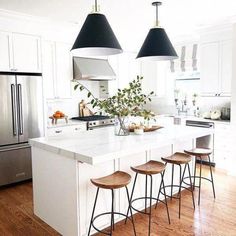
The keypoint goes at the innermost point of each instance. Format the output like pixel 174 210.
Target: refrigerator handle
pixel 19 88
pixel 13 102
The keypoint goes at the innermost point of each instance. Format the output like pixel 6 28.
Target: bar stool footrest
pixel 107 213
pixel 143 198
pixel 176 186
pixel 196 177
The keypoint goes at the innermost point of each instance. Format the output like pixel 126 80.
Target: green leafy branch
pixel 127 102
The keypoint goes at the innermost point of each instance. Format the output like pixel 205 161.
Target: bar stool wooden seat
pixel 149 169
pixel 179 159
pixel 201 153
pixel 117 180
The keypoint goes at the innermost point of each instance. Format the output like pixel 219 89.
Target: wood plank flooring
pixel 213 217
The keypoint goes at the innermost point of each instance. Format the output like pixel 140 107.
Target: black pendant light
pixel 96 37
pixel 157 45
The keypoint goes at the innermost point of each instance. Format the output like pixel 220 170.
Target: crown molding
pixel 13 15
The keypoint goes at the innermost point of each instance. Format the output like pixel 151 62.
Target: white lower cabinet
pixel 57 70
pixel 223 145
pixel 65 130
pixel 86 200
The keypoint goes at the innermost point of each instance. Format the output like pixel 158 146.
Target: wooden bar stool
pixel 201 153
pixel 114 181
pixel 179 159
pixel 149 169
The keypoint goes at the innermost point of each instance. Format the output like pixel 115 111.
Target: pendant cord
pixel 96 6
pixel 156 14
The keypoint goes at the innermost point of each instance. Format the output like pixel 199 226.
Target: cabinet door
pixel 155 77
pixel 26 53
pixel 226 68
pixel 48 55
pixel 129 68
pixel 210 69
pixel 64 70
pixel 5 51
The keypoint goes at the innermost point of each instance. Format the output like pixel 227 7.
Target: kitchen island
pixel 63 166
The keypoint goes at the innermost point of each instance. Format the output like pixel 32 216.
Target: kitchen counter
pixel 63 166
pixel 101 145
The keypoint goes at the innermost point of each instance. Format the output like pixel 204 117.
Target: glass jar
pixel 122 125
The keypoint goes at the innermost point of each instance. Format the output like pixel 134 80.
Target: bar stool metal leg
pixel 200 182
pixel 212 181
pixel 172 180
pixel 131 214
pixel 163 186
pixel 94 206
pixel 112 211
pixel 180 183
pixel 150 212
pixel 191 185
pixel 146 183
pixel 132 193
pixel 194 176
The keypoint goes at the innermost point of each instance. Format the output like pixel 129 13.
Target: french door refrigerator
pixel 21 118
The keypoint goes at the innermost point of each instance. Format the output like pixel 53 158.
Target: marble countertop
pixel 101 145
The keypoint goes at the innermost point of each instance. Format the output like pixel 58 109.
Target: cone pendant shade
pixel 96 38
pixel 157 46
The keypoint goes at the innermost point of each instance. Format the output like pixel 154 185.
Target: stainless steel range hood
pixel 92 69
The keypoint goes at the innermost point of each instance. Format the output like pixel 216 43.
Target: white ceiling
pixel 131 17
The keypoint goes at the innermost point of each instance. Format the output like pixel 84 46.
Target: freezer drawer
pixel 15 165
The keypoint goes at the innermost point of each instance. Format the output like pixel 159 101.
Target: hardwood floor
pixel 213 217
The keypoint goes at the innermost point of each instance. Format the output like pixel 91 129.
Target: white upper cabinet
pixel 5 51
pixel 20 52
pixel 155 77
pixel 26 53
pixel 64 70
pixel 57 70
pixel 209 69
pixel 226 68
pixel 216 68
pixel 48 53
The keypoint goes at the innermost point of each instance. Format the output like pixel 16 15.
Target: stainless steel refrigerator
pixel 21 118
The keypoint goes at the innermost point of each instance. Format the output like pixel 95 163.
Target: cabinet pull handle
pixel 58 131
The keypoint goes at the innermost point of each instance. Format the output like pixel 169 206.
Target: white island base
pixel 62 167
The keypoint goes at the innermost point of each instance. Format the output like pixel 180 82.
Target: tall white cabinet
pixel 20 52
pixel 216 68
pixel 57 70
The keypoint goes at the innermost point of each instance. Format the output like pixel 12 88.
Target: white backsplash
pixel 70 106
pixel 206 104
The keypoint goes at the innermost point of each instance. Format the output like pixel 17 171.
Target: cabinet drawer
pixel 51 132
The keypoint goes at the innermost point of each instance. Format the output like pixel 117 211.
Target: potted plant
pixel 126 102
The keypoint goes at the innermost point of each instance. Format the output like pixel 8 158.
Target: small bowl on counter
pixel 138 131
